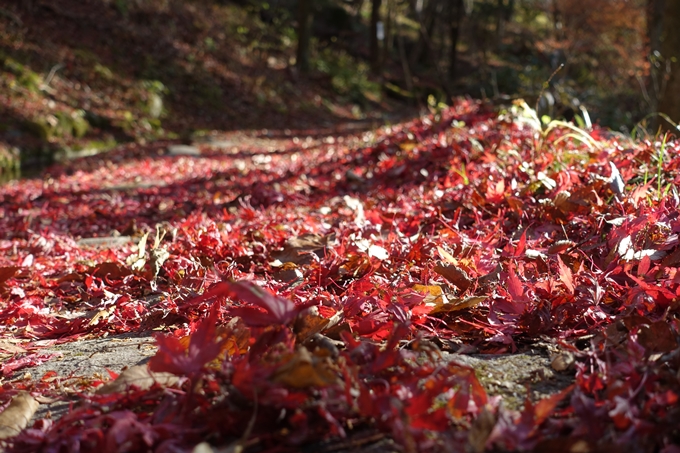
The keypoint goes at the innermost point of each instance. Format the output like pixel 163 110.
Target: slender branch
pixel 11 16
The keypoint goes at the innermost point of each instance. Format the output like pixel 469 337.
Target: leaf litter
pixel 327 294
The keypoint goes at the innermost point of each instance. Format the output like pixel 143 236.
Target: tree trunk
pixel 455 14
pixel 505 9
pixel 654 83
pixel 654 24
pixel 304 33
pixel 374 42
pixel 389 33
pixel 426 17
pixel 669 100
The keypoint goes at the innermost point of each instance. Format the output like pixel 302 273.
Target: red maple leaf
pixel 565 275
pixel 495 193
pixel 277 309
pixel 173 357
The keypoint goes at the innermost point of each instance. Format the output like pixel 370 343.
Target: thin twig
pixel 53 71
pixel 546 84
pixel 11 16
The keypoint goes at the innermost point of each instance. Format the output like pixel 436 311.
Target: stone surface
pixel 183 150
pixel 513 375
pixel 508 375
pixel 88 359
pixel 107 241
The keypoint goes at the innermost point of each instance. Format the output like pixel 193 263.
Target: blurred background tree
pixel 79 75
pixel 497 49
pixel 304 30
pixel 666 60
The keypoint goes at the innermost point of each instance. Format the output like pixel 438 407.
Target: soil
pixel 511 376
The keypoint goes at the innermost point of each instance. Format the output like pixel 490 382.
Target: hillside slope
pixel 83 75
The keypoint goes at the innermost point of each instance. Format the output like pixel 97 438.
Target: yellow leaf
pixel 446 256
pixel 407 146
pixel 434 294
pixel 458 304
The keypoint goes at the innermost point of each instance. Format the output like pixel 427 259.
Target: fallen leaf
pixel 6 273
pixel 300 250
pixel 158 256
pixel 515 286
pixel 309 323
pixel 455 275
pixel 111 271
pixel 16 416
pixel 11 366
pixel 141 377
pixel 458 304
pixel 546 406
pixel 11 347
pixel 305 370
pixel 434 294
pixel 236 337
pixel 288 272
pixel 174 356
pixel 560 246
pixel 562 361
pixel 657 337
pixel 138 260
pixel 481 429
pixel 495 193
pixel 446 256
pixel 565 275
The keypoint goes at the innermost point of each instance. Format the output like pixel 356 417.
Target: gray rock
pixel 85 359
pixel 109 241
pixel 183 150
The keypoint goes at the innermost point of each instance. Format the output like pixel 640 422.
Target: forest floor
pixel 229 256
pixel 514 376
pixel 466 276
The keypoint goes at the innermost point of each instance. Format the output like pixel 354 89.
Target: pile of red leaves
pixel 309 292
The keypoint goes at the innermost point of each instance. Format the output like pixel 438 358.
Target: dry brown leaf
pixel 6 273
pixel 355 265
pixel 672 259
pixel 236 335
pixel 458 277
pixel 560 246
pixel 407 146
pixel 481 430
pixel 305 370
pixel 491 278
pixel 17 415
pixel 446 256
pixel 100 315
pixel 139 376
pixel 158 256
pixel 657 337
pixel 309 323
pixel 562 361
pixel 11 347
pixel 112 271
pixel 289 272
pixel 458 304
pixel 299 250
pixel 334 330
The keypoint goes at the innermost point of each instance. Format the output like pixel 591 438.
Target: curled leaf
pixel 458 304
pixel 140 376
pixel 455 275
pixel 17 415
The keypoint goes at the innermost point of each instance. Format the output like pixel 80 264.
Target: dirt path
pixel 511 376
